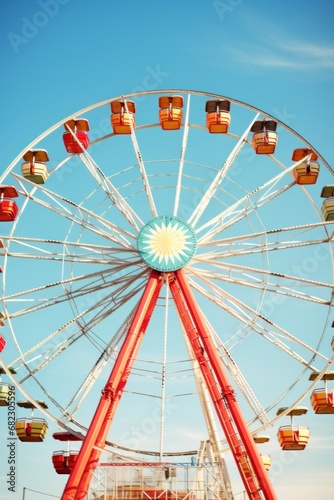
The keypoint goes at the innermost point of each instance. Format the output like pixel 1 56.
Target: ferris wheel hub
pixel 166 243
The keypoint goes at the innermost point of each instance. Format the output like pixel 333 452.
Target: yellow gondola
pixel 6 389
pixel 4 394
pixel 31 430
pixel 34 168
pixel 266 459
pixel 327 208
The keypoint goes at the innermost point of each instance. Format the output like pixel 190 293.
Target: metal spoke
pixel 245 313
pixel 51 350
pixel 142 170
pixel 220 176
pixel 111 191
pixel 250 281
pixel 62 206
pixel 182 155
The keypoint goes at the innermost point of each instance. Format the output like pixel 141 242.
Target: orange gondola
pixel 8 207
pixel 34 168
pixel 266 460
pixel 218 116
pixel 122 118
pixel 31 430
pixel 322 399
pixel 76 138
pixel 307 171
pixel 300 153
pixel 292 437
pixel 170 113
pixel 264 136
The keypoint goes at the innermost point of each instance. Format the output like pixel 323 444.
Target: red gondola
pixel 75 138
pixel 64 461
pixel 2 342
pixel 8 207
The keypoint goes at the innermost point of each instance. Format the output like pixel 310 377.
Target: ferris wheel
pixel 172 250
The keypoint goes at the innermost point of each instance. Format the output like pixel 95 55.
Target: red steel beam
pixel 79 479
pixel 215 392
pixel 226 393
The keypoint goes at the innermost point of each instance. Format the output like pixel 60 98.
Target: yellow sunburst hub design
pixel 166 243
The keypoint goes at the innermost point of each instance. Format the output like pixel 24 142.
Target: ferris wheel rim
pixel 158 92
pixel 154 92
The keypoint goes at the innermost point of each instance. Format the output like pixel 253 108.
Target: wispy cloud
pixel 307 55
pixel 311 50
pixel 322 442
pixel 270 46
pixel 295 55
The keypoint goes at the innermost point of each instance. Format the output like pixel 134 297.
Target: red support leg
pixel 79 479
pixel 255 478
pixel 257 483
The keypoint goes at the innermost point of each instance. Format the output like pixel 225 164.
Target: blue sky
pixel 60 56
